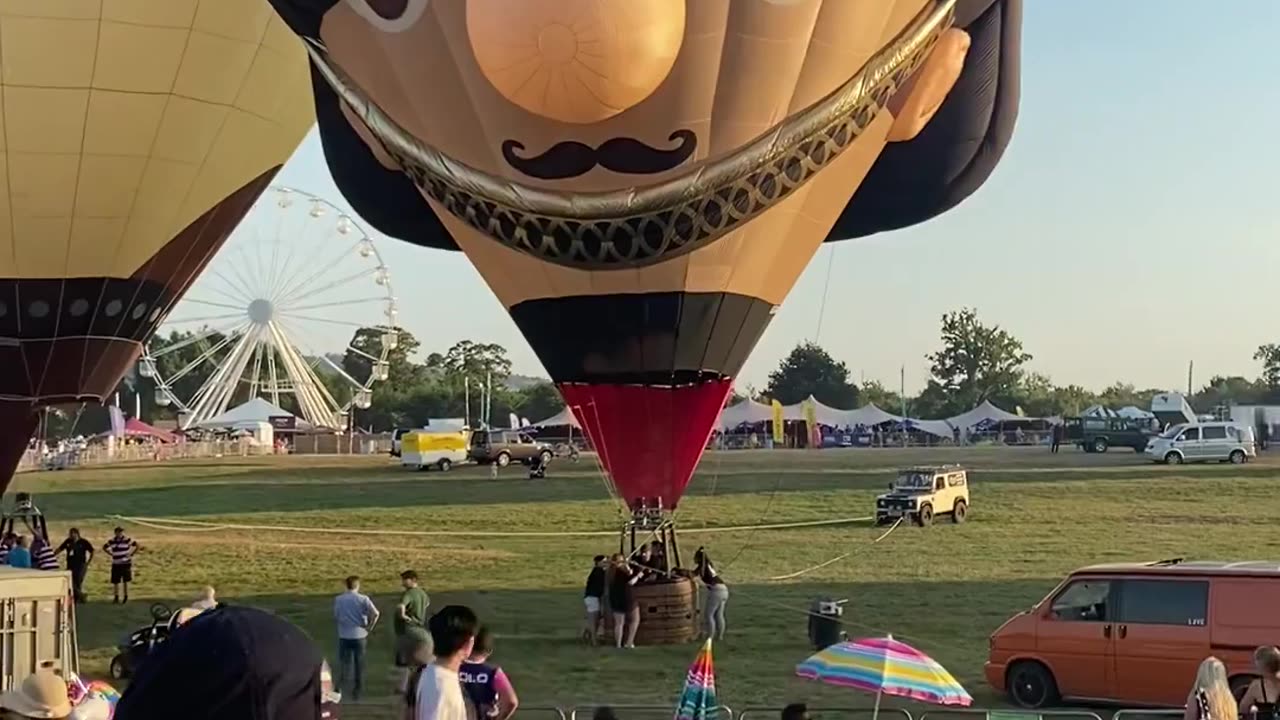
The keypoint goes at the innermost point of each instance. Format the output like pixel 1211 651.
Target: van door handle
pixel 1124 631
pixel 1106 631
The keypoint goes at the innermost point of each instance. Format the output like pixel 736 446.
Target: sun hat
pixel 42 695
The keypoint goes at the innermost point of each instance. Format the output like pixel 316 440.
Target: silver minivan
pixel 1204 442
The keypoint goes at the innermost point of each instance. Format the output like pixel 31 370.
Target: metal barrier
pixel 827 713
pixel 1008 714
pixel 393 709
pixel 1140 714
pixel 635 712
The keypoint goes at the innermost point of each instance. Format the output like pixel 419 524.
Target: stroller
pixel 138 644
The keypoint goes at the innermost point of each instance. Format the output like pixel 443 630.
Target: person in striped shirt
pixel 121 548
pixel 42 555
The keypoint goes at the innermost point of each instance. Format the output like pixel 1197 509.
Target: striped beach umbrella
pixel 885 666
pixel 698 699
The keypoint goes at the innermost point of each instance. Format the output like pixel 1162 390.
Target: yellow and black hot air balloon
pixel 134 135
pixel 642 181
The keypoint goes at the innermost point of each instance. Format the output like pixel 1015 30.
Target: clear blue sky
pixel 1133 226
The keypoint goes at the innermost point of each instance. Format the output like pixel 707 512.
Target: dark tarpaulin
pixel 229 663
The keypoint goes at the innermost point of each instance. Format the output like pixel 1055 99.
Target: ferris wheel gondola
pixel 263 319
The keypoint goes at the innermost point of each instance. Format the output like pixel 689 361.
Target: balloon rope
pixel 179 525
pixel 838 558
pixel 600 459
pixel 826 285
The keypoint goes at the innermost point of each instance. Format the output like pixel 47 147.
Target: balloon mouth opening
pixel 632 227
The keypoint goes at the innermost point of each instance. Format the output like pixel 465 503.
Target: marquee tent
pixel 986 412
pixel 824 414
pixel 748 411
pixel 560 419
pixel 250 414
pixel 135 428
pixel 868 415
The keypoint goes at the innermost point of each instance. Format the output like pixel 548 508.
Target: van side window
pixel 1164 602
pixel 1083 601
pixel 1190 434
pixel 955 480
pixel 1214 432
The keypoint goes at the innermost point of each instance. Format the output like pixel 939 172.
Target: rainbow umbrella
pixel 698 699
pixel 885 666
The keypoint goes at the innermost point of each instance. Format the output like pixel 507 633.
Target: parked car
pixel 922 493
pixel 1098 434
pixel 502 446
pixel 1135 633
pixel 1204 442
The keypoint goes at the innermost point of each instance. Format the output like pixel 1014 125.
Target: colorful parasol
pixel 698 699
pixel 885 666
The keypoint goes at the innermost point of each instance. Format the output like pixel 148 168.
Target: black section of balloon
pixel 910 183
pixel 44 309
pixel 570 158
pixel 915 181
pixel 661 338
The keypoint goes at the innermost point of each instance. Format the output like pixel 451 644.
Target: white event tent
pixel 748 411
pixel 986 412
pixel 560 419
pixel 250 414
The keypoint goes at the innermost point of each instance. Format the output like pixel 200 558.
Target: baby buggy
pixel 139 643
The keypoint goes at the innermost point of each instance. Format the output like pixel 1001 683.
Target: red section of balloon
pixel 649 439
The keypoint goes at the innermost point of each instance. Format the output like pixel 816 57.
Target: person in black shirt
pixel 622 601
pixel 79 554
pixel 592 597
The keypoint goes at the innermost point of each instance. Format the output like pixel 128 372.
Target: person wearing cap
pixel 230 663
pixel 43 694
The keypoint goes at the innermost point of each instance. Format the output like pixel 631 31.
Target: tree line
pixel 974 362
pixel 977 362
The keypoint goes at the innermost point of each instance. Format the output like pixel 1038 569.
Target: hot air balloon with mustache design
pixel 641 182
pixel 133 137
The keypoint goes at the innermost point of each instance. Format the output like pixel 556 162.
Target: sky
pixel 1132 227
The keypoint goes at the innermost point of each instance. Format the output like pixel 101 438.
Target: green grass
pixel 944 589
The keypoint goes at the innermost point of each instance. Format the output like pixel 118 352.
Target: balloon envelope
pixel 135 136
pixel 640 182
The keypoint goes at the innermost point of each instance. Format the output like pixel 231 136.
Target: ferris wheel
pixel 275 316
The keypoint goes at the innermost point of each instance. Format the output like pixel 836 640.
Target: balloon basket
pixel 668 606
pixel 668 613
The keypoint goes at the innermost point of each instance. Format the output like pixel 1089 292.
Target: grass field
pixel 944 589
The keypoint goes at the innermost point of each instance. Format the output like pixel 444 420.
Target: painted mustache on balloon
pixel 571 158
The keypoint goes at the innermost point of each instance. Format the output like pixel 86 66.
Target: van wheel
pixel 924 518
pixel 503 459
pixel 1031 685
pixel 444 464
pixel 1173 458
pixel 1240 685
pixel 120 672
pixel 1237 457
pixel 1100 445
pixel 959 512
pixel 544 457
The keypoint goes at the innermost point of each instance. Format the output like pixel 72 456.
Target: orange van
pixel 1135 633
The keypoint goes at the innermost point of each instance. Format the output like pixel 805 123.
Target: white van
pixel 1204 442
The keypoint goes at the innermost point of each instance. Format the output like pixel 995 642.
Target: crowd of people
pixel 38 553
pixel 1211 697
pixel 612 581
